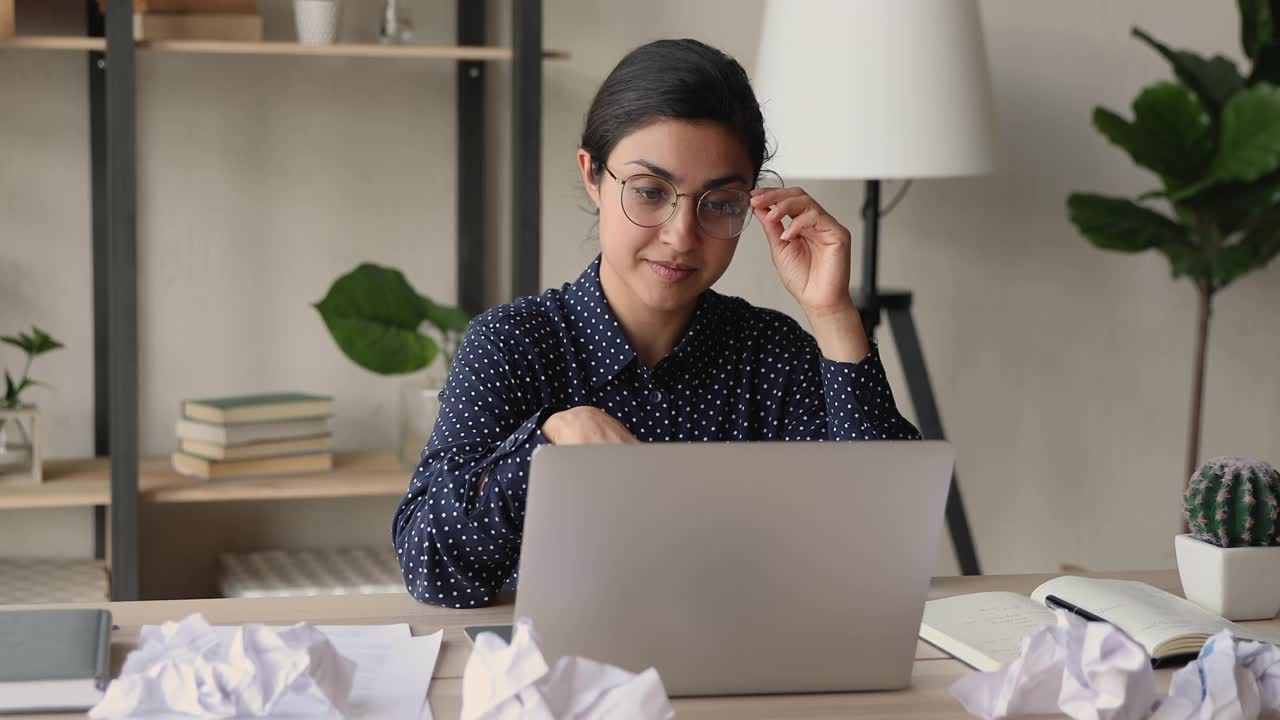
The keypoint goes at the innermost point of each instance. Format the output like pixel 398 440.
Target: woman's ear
pixel 585 163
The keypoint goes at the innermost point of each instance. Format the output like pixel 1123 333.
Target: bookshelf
pixel 87 483
pixel 118 482
pixel 219 47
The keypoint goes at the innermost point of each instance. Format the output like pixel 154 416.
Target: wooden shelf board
pixel 72 483
pixel 53 42
pixel 358 474
pixel 80 483
pixel 421 52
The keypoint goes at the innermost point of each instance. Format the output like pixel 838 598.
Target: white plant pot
pixel 21 451
pixel 317 21
pixel 1237 583
pixel 419 408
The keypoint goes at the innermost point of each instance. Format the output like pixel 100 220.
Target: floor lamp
pixel 880 90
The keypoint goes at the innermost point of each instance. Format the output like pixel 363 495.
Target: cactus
pixel 1234 502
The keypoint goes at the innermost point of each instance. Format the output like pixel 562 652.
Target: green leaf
pixel 446 318
pixel 381 348
pixel 1233 205
pixel 1250 143
pixel 42 342
pixel 1171 133
pixel 1214 80
pixel 373 314
pixel 1255 26
pixel 24 341
pixel 10 391
pixel 17 342
pixel 1187 259
pixel 1113 223
pixel 1255 248
pixel 36 343
pixel 1249 146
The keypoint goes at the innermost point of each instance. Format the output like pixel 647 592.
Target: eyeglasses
pixel 650 201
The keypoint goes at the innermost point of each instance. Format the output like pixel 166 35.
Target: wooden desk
pixel 927 697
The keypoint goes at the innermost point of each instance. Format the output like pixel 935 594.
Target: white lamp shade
pixel 875 89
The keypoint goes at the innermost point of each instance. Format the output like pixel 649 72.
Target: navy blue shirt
pixel 739 372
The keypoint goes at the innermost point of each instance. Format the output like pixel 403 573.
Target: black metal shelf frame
pixel 113 145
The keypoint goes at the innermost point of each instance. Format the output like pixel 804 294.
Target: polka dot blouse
pixel 738 373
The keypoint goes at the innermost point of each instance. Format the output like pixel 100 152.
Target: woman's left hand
pixel 811 254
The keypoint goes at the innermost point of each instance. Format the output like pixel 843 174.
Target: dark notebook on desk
pixel 53 660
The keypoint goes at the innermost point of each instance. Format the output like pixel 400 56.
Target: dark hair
pixel 673 79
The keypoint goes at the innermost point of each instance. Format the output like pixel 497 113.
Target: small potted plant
pixel 20 432
pixel 1230 561
pixel 378 319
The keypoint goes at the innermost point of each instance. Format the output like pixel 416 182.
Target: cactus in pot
pixel 1230 561
pixel 1234 502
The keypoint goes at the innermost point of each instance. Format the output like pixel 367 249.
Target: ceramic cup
pixel 317 21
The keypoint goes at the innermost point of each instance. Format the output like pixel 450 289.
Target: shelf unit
pixel 118 482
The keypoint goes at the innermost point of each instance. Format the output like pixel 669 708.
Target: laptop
pixel 735 568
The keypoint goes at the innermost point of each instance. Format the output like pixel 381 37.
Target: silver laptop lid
pixel 736 567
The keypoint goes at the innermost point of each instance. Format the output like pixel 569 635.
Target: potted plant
pixel 1212 137
pixel 1230 561
pixel 20 430
pixel 378 320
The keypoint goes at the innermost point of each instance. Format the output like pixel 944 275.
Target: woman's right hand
pixel 585 425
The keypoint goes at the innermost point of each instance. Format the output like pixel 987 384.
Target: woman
pixel 640 348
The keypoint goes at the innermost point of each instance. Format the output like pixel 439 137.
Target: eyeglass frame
pixel 675 202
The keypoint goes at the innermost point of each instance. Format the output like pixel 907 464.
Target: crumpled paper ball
pixel 1230 679
pixel 1094 671
pixel 1086 670
pixel 513 681
pixel 188 668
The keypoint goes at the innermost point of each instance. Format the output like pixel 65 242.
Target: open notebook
pixel 985 630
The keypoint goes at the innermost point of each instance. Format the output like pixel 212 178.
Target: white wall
pixel 45 264
pixel 1062 372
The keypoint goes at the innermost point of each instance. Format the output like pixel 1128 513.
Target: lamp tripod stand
pixel 897 305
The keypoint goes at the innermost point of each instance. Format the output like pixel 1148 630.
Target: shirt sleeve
pixel 844 401
pixel 457 530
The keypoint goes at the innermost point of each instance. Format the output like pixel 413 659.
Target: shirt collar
pixel 594 327
pixel 601 341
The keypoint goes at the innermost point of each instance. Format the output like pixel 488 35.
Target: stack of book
pixel 196 20
pixel 254 435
